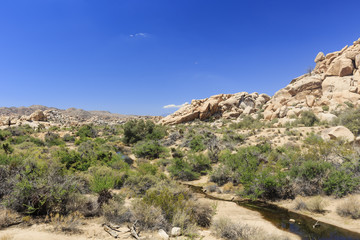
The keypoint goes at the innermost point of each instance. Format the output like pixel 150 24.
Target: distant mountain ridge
pixel 35 115
pixel 74 112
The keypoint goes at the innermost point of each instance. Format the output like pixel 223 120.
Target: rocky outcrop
pixel 339 132
pixel 222 105
pixel 38 115
pixel 334 82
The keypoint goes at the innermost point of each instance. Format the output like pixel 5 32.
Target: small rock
pixel 291 220
pixel 162 234
pixel 175 231
pixel 319 57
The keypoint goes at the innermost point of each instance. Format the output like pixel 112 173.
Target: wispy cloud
pixel 175 106
pixel 140 35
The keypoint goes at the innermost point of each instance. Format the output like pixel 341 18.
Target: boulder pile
pixel 333 84
pixel 222 105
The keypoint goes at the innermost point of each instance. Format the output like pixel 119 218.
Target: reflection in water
pixel 303 225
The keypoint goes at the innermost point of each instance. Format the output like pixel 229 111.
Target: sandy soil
pixel 330 216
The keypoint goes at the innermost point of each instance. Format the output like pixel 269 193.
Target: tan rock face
pixel 319 57
pixel 38 115
pixel 339 132
pixel 222 105
pixel 357 61
pixel 341 67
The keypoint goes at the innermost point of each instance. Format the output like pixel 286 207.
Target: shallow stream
pixel 305 227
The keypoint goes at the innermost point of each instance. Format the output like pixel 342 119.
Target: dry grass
pixel 69 223
pixel 226 229
pixel 316 204
pixel 6 237
pixel 349 208
pixel 8 217
pixel 300 204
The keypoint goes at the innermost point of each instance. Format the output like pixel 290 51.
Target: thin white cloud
pixel 175 106
pixel 139 35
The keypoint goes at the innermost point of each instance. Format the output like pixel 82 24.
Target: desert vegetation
pixel 66 175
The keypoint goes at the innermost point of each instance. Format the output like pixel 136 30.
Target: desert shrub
pixel 349 118
pixel 340 183
pixel 141 183
pixel 267 184
pixel 53 139
pixel 4 134
pixel 115 212
pixel 40 188
pixel 68 138
pixel 147 168
pixel 8 217
pixel 325 108
pixel 168 198
pixel 247 122
pixel 176 153
pixel 73 160
pixel 86 205
pixel 149 149
pixel 182 219
pixel 221 175
pixel 232 137
pixel 227 229
pixel 199 163
pixel 309 176
pixel 7 148
pixel 150 217
pixel 349 208
pixel 203 215
pixel 66 223
pixel 102 181
pixel 86 131
pixel 300 204
pixel 137 130
pixel 307 118
pixel 316 204
pixel 196 143
pixel 182 170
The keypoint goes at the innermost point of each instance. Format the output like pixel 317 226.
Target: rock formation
pixel 222 105
pixel 334 81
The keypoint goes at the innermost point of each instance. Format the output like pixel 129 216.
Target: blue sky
pixel 136 56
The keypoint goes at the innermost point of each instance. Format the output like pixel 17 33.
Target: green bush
pixel 141 183
pixel 68 138
pixel 308 118
pixel 340 183
pixel 53 139
pixel 350 118
pixel 137 130
pixel 196 144
pixel 182 170
pixel 199 163
pixel 149 149
pixel 247 122
pixel 102 181
pixel 86 131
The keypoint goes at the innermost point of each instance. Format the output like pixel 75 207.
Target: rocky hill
pixel 333 84
pixel 222 105
pixel 49 116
